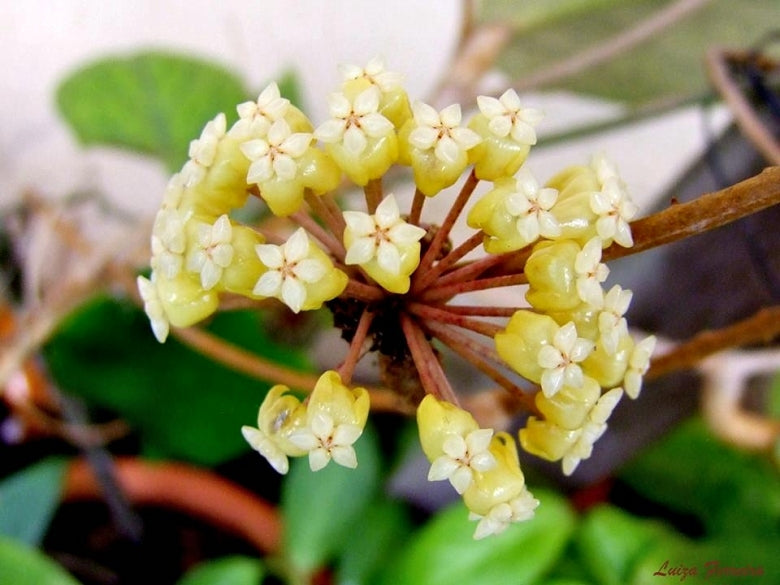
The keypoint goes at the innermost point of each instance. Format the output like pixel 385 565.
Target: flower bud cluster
pixel 399 275
pixel 481 465
pixel 324 426
pixel 574 340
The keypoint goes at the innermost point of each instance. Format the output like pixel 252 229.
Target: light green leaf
pixel 322 508
pixel 152 102
pixel 668 64
pixel 691 471
pixel 374 542
pixel 444 552
pixel 28 500
pixel 184 405
pixel 22 565
pixel 233 570
pixel 610 542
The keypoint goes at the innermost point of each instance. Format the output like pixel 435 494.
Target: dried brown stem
pixel 761 327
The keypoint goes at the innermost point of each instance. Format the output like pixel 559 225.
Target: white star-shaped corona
pixel 276 154
pixel 560 360
pixel 531 206
pixel 374 72
pixel 638 364
pixel 255 118
pixel 591 272
pixel 442 132
pixel 462 457
pixel 169 241
pixel 383 236
pixel 507 117
pixel 353 123
pixel 289 269
pixel 324 440
pixel 615 210
pixel 612 324
pixel 212 251
pixel 500 516
pixel 592 430
pixel 203 150
pixel 153 307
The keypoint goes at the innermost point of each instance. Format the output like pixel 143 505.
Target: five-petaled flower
pixel 507 117
pixel 462 457
pixel 560 359
pixel 212 251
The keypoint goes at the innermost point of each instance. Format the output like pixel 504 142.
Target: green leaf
pixel 610 542
pixel 374 542
pixel 28 500
pixel 667 65
pixel 444 552
pixel 152 102
pixel 322 508
pixel 23 565
pixel 184 405
pixel 235 570
pixel 732 492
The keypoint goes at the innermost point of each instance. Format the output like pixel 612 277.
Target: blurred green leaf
pixel 184 405
pixel 322 509
pixel 234 570
pixel 28 500
pixel 152 102
pixel 23 565
pixel 610 542
pixel 444 552
pixel 373 542
pixel 667 65
pixel 691 471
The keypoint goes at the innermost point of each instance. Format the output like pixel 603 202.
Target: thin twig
pixel 745 116
pixel 326 238
pixel 373 193
pixel 762 327
pixel 418 201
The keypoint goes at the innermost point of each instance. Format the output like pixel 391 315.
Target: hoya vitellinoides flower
pixel 394 281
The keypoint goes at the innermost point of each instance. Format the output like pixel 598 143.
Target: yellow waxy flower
pixel 436 146
pixel 393 103
pixel 522 339
pixel 552 277
pixel 498 496
pixel 280 415
pixel 507 131
pixel 335 418
pixel 437 420
pixel 569 407
pixel 387 247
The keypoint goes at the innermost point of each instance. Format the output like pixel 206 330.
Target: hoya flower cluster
pixel 393 282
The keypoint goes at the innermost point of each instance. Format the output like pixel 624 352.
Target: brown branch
pixel 355 352
pixel 432 376
pixel 762 327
